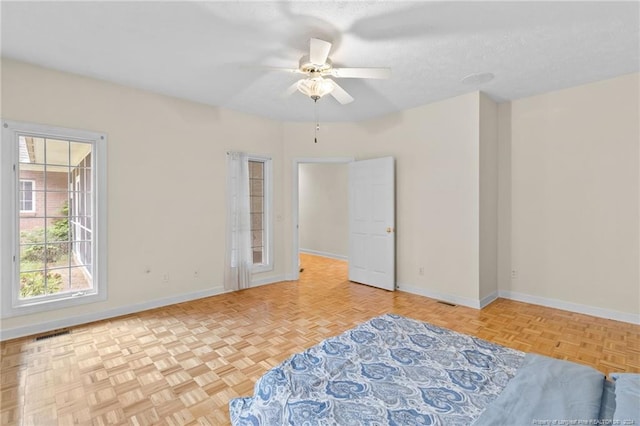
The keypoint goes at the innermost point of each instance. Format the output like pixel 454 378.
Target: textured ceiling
pixel 215 52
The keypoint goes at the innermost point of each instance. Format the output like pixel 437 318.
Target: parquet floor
pixel 181 364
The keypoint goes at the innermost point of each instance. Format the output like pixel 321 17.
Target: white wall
pixel 437 187
pixel 166 181
pixel 324 209
pixel 575 196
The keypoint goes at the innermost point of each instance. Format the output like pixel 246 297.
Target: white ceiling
pixel 214 52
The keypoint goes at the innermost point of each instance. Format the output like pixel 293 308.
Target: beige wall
pixel 323 208
pixel 437 188
pixel 488 143
pixel 166 180
pixel 568 188
pixel 575 195
pixel 504 196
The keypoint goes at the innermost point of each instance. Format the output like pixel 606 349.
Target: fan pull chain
pixel 317 127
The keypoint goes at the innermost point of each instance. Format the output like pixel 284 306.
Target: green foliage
pixel 33 284
pixel 58 231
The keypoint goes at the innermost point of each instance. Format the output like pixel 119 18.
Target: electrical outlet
pixel 147 270
pixel 421 270
pixel 514 274
pixel 165 278
pixel 196 274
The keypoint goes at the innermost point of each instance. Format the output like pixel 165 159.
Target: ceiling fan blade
pixel 361 72
pixel 318 51
pixel 290 70
pixel 291 89
pixel 340 94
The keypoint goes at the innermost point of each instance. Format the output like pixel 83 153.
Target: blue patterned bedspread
pixel 391 370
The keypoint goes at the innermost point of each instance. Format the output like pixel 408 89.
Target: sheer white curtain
pixel 238 258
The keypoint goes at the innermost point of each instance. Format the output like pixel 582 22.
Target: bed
pixel 393 370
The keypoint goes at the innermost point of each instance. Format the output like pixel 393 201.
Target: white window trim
pixel 11 306
pixel 33 196
pixel 267 255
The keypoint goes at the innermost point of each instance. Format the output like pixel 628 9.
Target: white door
pixel 372 222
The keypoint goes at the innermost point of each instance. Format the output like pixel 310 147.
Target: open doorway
pixel 320 209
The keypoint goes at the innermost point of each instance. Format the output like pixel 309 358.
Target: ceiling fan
pixel 317 67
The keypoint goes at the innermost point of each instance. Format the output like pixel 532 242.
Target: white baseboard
pixel 521 297
pixel 324 254
pixel 572 307
pixel 456 300
pixel 28 330
pixel 485 301
pixel 269 280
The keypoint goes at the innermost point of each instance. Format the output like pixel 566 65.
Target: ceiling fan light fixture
pixel 315 88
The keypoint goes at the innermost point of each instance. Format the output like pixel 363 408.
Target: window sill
pixel 26 308
pixel 258 269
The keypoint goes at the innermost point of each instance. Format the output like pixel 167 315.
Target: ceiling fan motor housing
pixel 306 66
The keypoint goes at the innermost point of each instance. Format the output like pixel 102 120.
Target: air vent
pixel 54 333
pixel 446 303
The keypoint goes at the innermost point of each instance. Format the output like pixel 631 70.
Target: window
pixel 27 196
pixel 260 211
pixel 56 256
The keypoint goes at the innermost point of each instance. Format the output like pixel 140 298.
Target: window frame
pixel 33 196
pixel 11 304
pixel 267 207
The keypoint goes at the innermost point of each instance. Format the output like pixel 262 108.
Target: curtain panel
pixel 238 256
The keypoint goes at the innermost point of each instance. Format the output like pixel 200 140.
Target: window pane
pixel 32 230
pixel 57 205
pixel 257 187
pixel 27 197
pixel 256 169
pixel 30 183
pixel 79 278
pixel 80 179
pixel 26 152
pixel 32 257
pixel 256 204
pixel 58 230
pixel 56 179
pixel 81 253
pixel 257 207
pixel 58 239
pixel 57 255
pixel 80 154
pixel 57 281
pixel 256 238
pixel 57 152
pixel 39 283
pixel 256 221
pixel 32 172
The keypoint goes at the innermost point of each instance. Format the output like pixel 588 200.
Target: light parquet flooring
pixel 182 364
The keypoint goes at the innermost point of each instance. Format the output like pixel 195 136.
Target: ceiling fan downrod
pixel 317 126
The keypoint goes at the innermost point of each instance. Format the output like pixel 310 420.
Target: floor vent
pixel 446 303
pixel 52 334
